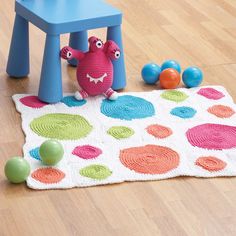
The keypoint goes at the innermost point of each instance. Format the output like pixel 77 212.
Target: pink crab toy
pixel 95 69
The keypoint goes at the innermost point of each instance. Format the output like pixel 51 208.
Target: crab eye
pixel 68 54
pixel 117 54
pixel 99 44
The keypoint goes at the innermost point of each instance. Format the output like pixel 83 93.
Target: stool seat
pixel 66 16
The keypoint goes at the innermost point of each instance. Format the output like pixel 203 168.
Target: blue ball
pixel 150 73
pixel 192 77
pixel 171 64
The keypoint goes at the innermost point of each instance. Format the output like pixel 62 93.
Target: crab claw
pixel 66 53
pixel 112 50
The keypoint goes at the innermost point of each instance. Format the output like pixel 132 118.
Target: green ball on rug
pixel 51 152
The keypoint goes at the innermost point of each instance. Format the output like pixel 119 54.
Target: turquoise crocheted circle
pixel 183 112
pixel 35 153
pixel 70 101
pixel 127 107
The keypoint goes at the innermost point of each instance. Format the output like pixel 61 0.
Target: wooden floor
pixel 194 32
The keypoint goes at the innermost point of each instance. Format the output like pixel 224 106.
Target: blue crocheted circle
pixel 70 101
pixel 183 112
pixel 127 107
pixel 35 153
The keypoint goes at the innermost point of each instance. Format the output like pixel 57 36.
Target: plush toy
pixel 95 69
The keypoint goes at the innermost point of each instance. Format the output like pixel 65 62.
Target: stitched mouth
pixel 96 80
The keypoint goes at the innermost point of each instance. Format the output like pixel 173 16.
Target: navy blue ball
pixel 150 73
pixel 192 77
pixel 171 64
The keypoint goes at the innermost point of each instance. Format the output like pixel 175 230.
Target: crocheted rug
pixel 141 136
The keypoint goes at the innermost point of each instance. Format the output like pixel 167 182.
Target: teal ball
pixel 192 77
pixel 171 64
pixel 150 73
pixel 51 152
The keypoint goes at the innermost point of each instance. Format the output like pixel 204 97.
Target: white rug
pixel 188 132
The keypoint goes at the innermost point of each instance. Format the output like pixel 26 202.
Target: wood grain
pixel 194 32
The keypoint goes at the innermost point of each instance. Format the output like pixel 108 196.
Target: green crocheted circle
pixel 174 95
pixel 98 172
pixel 120 132
pixel 61 126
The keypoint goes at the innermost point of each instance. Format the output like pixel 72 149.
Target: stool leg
pixel 18 59
pixel 78 40
pixel 50 88
pixel 119 81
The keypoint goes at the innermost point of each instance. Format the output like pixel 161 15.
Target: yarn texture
pixel 212 136
pixel 98 172
pixel 120 132
pixel 87 152
pixel 138 137
pixel 150 159
pixel 211 163
pixel 159 131
pixel 211 93
pixel 70 101
pixel 183 112
pixel 48 175
pixel 127 108
pixel 221 111
pixel 61 126
pixel 174 95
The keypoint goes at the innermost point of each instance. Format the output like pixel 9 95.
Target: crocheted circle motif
pixel 61 126
pixel 97 172
pixel 211 93
pixel 120 132
pixel 35 153
pixel 221 111
pixel 48 175
pixel 174 95
pixel 212 136
pixel 70 101
pixel 150 159
pixel 210 163
pixel 183 112
pixel 127 107
pixel 87 152
pixel 33 102
pixel 159 131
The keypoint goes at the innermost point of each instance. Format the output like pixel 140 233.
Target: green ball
pixel 51 152
pixel 17 170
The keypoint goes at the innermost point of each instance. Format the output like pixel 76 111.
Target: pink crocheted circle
pixel 211 93
pixel 212 136
pixel 87 151
pixel 33 102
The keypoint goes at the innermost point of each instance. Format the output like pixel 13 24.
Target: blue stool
pixel 57 17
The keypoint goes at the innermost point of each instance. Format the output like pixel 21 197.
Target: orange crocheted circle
pixel 150 159
pixel 221 111
pixel 48 175
pixel 159 131
pixel 210 163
